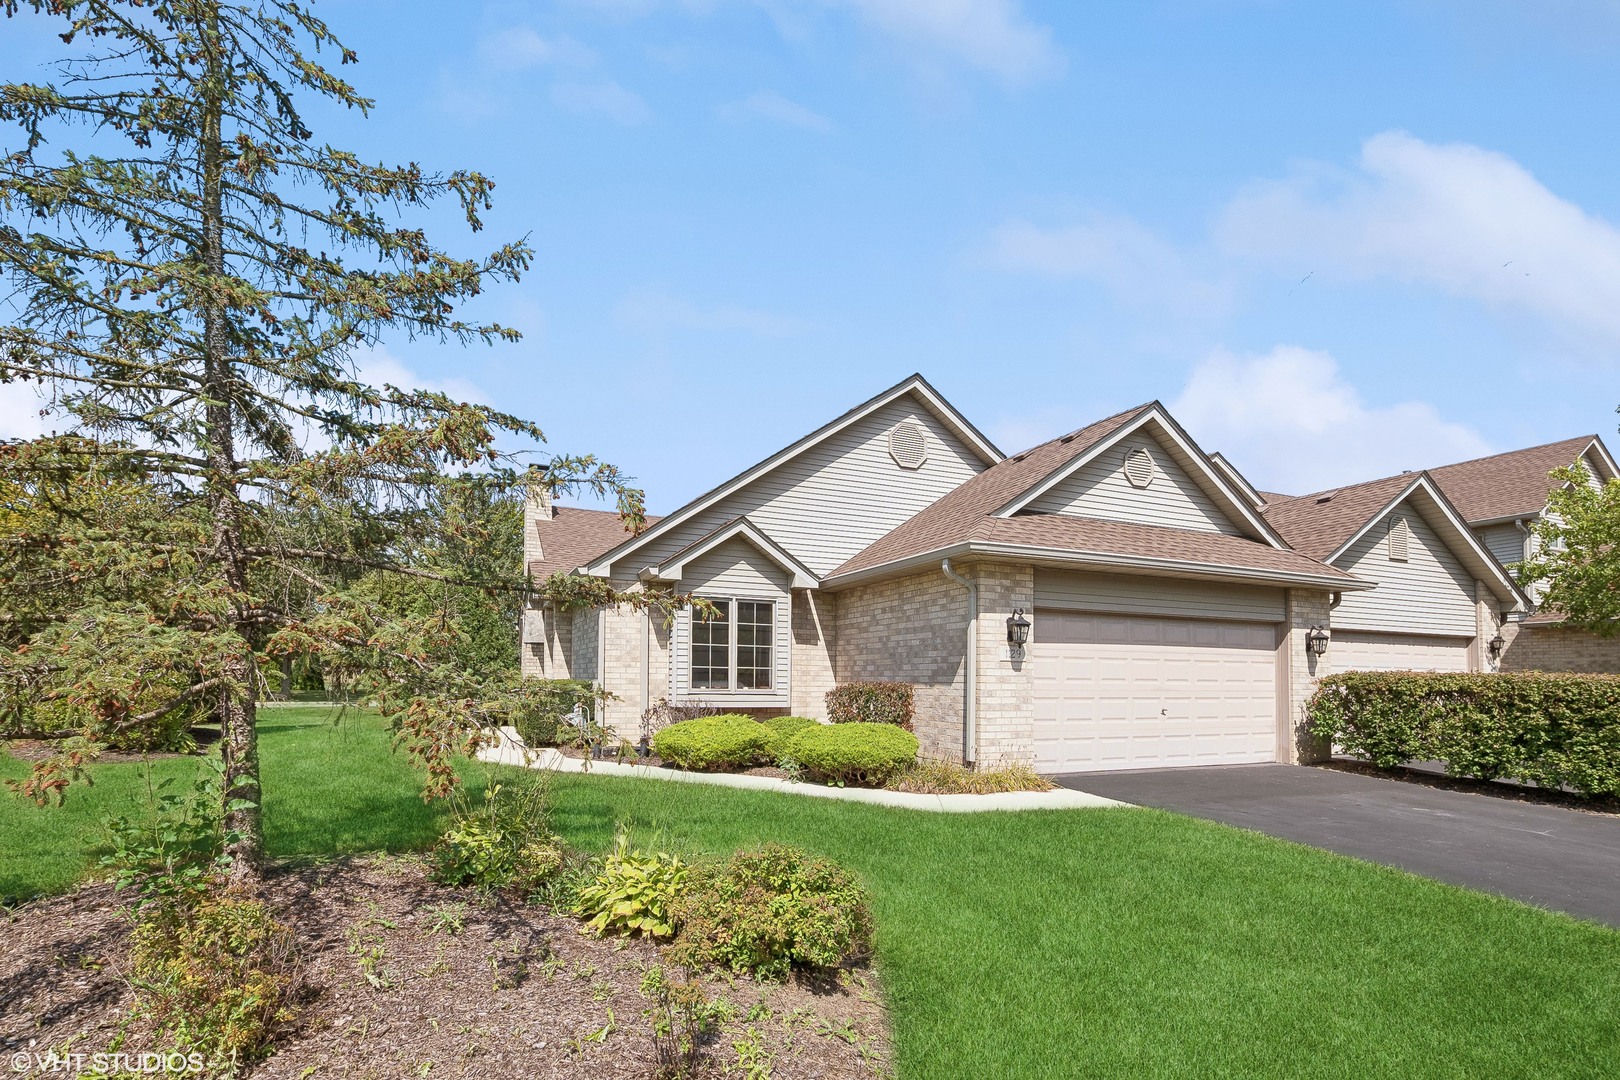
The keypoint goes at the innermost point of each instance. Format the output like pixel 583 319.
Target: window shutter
pixel 1399 535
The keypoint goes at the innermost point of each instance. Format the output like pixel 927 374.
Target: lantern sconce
pixel 1017 629
pixel 1316 642
pixel 1496 645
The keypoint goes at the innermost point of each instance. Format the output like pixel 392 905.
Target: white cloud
pixel 378 366
pixel 658 311
pixel 777 109
pixel 1291 423
pixel 604 99
pixel 20 404
pixel 1471 222
pixel 1116 252
pixel 994 36
pixel 519 47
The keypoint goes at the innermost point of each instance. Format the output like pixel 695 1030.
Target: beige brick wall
pixel 1557 648
pixel 548 645
pixel 1006 705
pixel 815 627
pixel 1300 671
pixel 623 631
pixel 584 637
pixel 911 629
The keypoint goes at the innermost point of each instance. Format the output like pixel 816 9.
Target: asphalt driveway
pixel 1544 855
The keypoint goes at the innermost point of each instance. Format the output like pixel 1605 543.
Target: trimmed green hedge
pixel 1554 730
pixel 853 753
pixel 781 729
pixel 872 703
pixel 539 719
pixel 727 741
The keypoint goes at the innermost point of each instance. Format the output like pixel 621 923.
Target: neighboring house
pixel 1502 497
pixel 1171 615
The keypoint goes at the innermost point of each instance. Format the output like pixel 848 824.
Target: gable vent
pixel 1399 538
pixel 1139 467
pixel 908 444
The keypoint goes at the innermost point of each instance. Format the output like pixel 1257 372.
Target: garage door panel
pixel 1357 650
pixel 1140 692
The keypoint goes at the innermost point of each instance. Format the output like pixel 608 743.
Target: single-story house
pixel 1177 615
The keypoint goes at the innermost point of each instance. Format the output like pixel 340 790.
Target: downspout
pixel 970 667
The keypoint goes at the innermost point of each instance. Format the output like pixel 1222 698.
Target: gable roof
pixel 673 568
pixel 1326 524
pixel 980 517
pixel 1515 484
pixel 1256 498
pixel 914 385
pixel 572 537
pixel 1158 421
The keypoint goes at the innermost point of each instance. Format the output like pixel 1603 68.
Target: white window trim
pixel 731 689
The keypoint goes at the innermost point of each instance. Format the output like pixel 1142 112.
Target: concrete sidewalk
pixel 512 751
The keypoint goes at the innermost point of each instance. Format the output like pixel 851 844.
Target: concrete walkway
pixel 512 751
pixel 1545 855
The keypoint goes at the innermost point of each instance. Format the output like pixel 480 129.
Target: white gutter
pixel 970 667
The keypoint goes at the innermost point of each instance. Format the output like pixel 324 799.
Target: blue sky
pixel 1338 240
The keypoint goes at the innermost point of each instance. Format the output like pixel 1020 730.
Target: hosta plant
pixel 634 893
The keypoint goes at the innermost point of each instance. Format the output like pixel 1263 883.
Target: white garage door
pixel 1136 692
pixel 1357 650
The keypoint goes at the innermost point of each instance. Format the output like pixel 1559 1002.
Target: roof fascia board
pixel 1603 456
pixel 1506 588
pixel 1156 414
pixel 1075 560
pixel 914 384
pixel 1228 470
pixel 674 568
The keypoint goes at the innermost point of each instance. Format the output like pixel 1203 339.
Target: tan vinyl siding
pixel 837 497
pixel 1506 542
pixel 1100 490
pixel 737 570
pixel 1429 593
pixel 1128 594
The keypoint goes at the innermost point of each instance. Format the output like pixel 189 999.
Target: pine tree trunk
pixel 244 829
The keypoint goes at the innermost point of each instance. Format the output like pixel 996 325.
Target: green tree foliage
pixel 191 288
pixel 1577 557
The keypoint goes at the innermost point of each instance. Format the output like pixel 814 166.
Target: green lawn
pixel 1072 943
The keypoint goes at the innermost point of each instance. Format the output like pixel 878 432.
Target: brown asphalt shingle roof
pixel 1513 484
pixel 573 537
pixel 1318 525
pixel 966 514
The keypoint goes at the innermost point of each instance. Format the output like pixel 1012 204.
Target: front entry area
pixel 1138 691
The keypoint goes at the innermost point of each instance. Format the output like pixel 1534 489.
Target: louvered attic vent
pixel 1399 534
pixel 908 444
pixel 1139 467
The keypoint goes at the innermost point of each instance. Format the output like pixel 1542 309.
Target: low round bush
pixel 853 753
pixel 771 910
pixel 728 741
pixel 781 729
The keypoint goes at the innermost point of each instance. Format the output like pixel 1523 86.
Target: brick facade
pixel 1299 670
pixel 1550 647
pixel 815 640
pixel 548 645
pixel 910 629
pixel 1006 687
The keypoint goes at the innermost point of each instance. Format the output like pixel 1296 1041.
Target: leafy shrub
pixel 218 979
pixel 935 776
pixel 872 703
pixel 780 730
pixel 1554 730
pixel 633 893
pixel 770 910
pixel 171 854
pixel 540 718
pixel 728 741
pixel 681 1017
pixel 505 844
pixel 853 753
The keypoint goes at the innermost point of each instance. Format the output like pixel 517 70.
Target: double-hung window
pixel 735 648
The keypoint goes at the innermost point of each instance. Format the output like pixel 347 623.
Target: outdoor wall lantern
pixel 1017 629
pixel 1496 645
pixel 1316 642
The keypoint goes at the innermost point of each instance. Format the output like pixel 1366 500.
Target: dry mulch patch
pixel 403 977
pixel 38 750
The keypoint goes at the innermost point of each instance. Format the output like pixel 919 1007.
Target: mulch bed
pixel 658 763
pixel 39 750
pixel 468 986
pixel 1496 789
